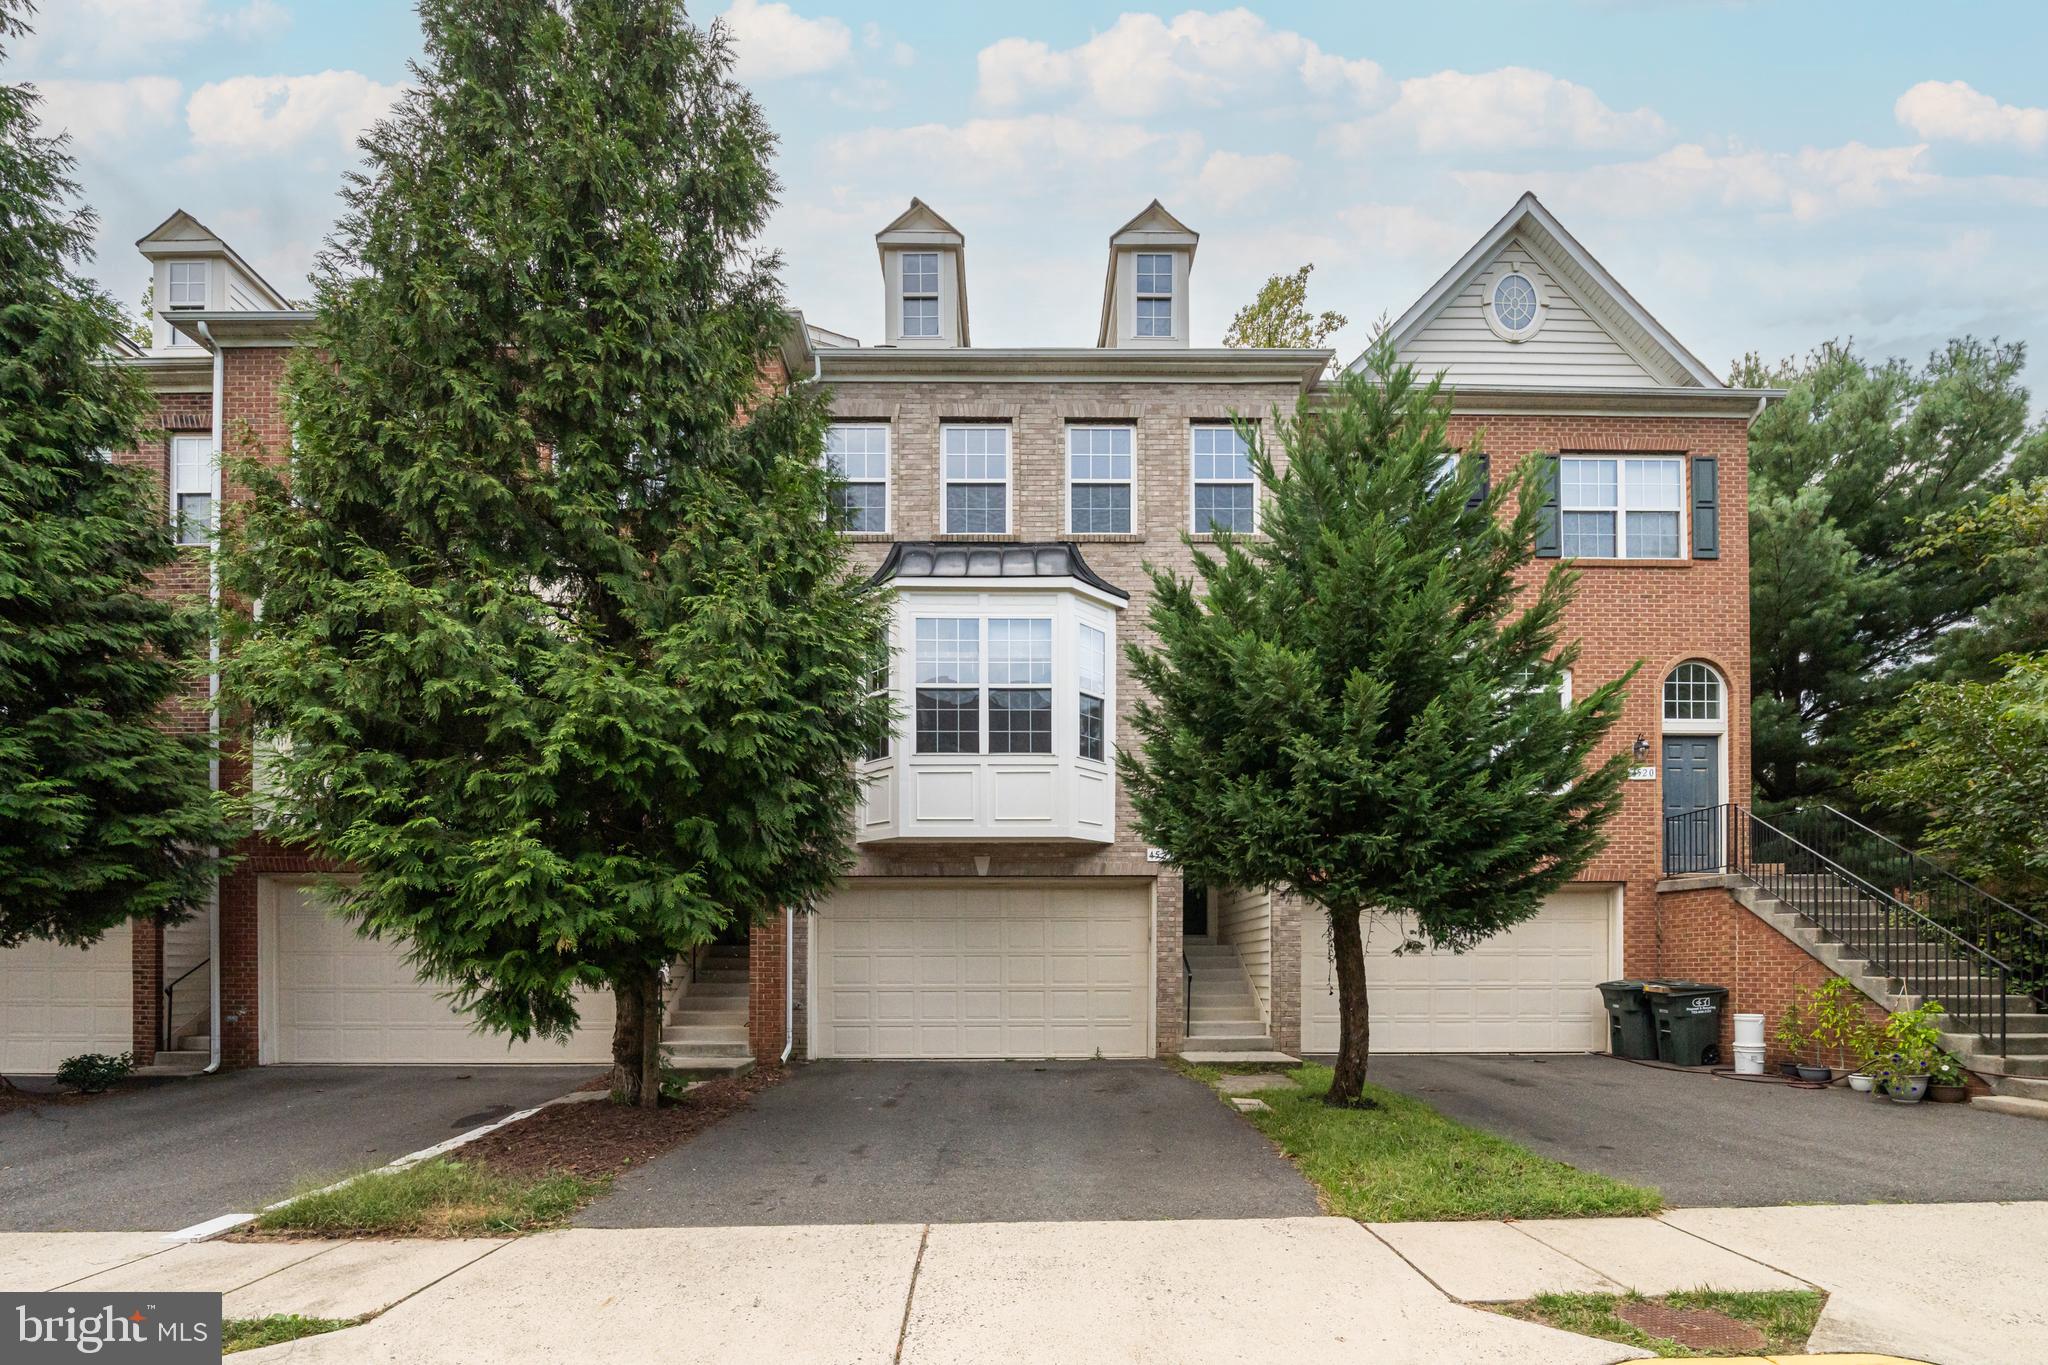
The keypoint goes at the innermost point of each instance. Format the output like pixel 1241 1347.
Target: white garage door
pixel 58 1002
pixel 1531 989
pixel 331 996
pixel 973 970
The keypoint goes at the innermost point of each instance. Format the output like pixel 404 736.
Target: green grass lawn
pixel 1404 1162
pixel 246 1334
pixel 1786 1317
pixel 439 1198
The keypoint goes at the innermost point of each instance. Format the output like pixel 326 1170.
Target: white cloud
pixel 1227 179
pixel 102 34
pixel 1514 108
pixel 1033 154
pixel 1807 184
pixel 1956 111
pixel 1143 64
pixel 98 114
pixel 276 113
pixel 771 41
pixel 1401 230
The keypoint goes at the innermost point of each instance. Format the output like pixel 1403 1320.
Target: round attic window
pixel 1515 304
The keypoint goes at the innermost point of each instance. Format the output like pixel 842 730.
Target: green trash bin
pixel 1631 1031
pixel 1688 1019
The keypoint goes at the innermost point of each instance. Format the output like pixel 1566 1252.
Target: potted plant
pixel 1908 1050
pixel 1946 1083
pixel 1864 1047
pixel 1791 1036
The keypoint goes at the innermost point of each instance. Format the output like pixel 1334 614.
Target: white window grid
pixel 920 293
pixel 192 489
pixel 1693 692
pixel 1092 665
pixel 1619 507
pixel 976 461
pixel 1154 294
pixel 857 456
pixel 1224 492
pixel 1515 301
pixel 1099 467
pixel 187 284
pixel 1006 662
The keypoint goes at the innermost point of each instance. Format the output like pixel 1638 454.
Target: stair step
pixel 1241 1008
pixel 2016 1105
pixel 196 1042
pixel 684 1015
pixel 2020 1087
pixel 173 1061
pixel 705 974
pixel 682 1053
pixel 1223 1028
pixel 1230 1043
pixel 700 989
pixel 704 1033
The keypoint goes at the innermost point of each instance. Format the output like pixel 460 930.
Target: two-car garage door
pixel 1531 989
pixel 330 996
pixel 977 969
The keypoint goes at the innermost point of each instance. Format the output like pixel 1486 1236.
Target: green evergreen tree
pixel 1361 708
pixel 557 644
pixel 105 815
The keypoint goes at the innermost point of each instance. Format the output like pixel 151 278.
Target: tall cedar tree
pixel 1361 707
pixel 559 648
pixel 105 814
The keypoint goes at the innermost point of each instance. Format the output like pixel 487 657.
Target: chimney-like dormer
pixel 194 271
pixel 924 280
pixel 1145 297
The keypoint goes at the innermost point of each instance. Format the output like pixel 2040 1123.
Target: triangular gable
pixel 179 227
pixel 181 231
pixel 1594 333
pixel 1154 221
pixel 921 221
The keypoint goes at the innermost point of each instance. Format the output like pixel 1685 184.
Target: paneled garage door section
pixel 335 997
pixel 57 1002
pixel 1531 989
pixel 983 971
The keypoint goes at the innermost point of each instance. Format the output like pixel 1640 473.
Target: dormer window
pixel 1155 294
pixel 187 285
pixel 920 293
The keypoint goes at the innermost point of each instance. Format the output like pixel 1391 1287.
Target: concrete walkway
pixel 1948 1283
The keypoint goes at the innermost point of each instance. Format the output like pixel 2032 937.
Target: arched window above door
pixel 1694 698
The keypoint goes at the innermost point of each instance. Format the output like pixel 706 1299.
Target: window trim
pixel 1622 509
pixel 904 296
pixel 1140 295
pixel 887 480
pixel 171 303
pixel 1009 478
pixel 177 488
pixel 1102 698
pixel 984 687
pixel 1193 482
pixel 1690 725
pixel 1129 482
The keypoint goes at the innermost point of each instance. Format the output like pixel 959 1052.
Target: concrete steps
pixel 706 1028
pixel 1223 1013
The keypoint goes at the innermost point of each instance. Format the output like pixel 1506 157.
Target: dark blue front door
pixel 1692 833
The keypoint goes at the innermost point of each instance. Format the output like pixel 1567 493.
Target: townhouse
pixel 1000 903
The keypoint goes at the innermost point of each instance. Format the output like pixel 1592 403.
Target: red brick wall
pixel 767 989
pixel 146 943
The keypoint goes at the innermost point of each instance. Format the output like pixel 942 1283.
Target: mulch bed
pixel 597 1138
pixel 1702 1329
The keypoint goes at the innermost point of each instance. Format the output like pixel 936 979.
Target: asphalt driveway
pixel 169 1156
pixel 1708 1140
pixel 963 1142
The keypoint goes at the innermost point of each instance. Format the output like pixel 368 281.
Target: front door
pixel 1692 841
pixel 1194 910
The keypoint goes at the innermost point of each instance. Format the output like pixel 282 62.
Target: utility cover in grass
pixel 1702 1329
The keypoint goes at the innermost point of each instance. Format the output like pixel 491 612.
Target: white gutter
pixel 213 1019
pixel 788 983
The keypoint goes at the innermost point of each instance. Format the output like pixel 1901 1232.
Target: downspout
pixel 213 1017
pixel 788 984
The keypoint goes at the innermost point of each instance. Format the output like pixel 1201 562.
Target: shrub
pixel 90 1073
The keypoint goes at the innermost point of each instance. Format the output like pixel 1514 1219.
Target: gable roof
pixel 1154 227
pixel 182 228
pixel 1588 280
pixel 922 222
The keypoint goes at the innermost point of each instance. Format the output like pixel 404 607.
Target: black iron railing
pixel 1915 923
pixel 170 997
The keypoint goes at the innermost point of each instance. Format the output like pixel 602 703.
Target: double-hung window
pixel 186 292
pixel 920 293
pixel 192 489
pixel 1020 686
pixel 1155 294
pixel 948 685
pixel 976 470
pixel 1094 690
pixel 1621 508
pixel 857 457
pixel 1225 492
pixel 1099 480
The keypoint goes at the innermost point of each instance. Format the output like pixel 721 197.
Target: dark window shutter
pixel 1547 544
pixel 1706 508
pixel 1485 484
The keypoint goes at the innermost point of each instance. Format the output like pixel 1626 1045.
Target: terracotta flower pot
pixel 1948 1094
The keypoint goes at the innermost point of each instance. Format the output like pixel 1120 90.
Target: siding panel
pixel 1245 921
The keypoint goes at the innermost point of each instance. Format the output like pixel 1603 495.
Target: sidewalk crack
pixel 903 1329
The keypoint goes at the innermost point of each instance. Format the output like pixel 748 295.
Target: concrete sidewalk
pixel 1948 1283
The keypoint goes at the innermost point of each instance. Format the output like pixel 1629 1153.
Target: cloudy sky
pixel 1761 175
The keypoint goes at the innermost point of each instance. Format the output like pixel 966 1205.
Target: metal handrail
pixel 1917 860
pixel 1187 994
pixel 169 991
pixel 1901 940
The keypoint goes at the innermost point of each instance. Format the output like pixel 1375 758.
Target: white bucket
pixel 1749 1030
pixel 1749 1061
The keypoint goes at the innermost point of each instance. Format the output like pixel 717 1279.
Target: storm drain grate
pixel 1699 1328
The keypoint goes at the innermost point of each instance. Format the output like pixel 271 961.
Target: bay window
pixel 1094 691
pixel 948 686
pixel 1621 508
